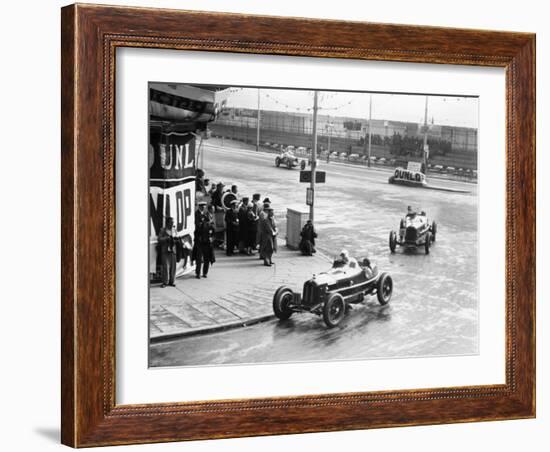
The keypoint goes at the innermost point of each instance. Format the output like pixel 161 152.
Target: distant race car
pixel 288 159
pixel 329 293
pixel 414 230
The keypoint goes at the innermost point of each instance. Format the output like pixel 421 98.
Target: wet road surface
pixel 434 309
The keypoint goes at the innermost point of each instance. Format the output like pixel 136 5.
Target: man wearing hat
pixel 202 214
pixel 235 191
pixel 268 236
pixel 261 217
pixel 307 242
pixel 207 186
pixel 232 227
pixel 167 252
pixel 199 181
pixel 203 251
pixel 217 197
pixel 243 225
pixel 251 230
pixel 257 208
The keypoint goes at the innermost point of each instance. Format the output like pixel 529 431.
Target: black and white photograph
pixel 300 225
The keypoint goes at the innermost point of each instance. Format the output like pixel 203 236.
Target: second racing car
pixel 414 230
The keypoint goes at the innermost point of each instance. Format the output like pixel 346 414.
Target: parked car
pixel 414 230
pixel 328 294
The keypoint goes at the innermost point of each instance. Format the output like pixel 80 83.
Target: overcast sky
pixel 448 110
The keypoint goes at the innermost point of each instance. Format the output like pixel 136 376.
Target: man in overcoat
pixel 307 243
pixel 232 227
pixel 268 237
pixel 203 250
pixel 167 251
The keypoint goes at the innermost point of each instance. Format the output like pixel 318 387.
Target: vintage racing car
pixel 329 293
pixel 414 230
pixel 288 159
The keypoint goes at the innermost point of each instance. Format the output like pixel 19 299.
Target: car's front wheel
pixel 281 302
pixel 393 241
pixel 334 310
pixel 384 289
pixel 289 164
pixel 303 165
pixel 277 162
pixel 434 230
pixel 428 242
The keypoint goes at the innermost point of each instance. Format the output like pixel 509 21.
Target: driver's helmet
pixel 344 256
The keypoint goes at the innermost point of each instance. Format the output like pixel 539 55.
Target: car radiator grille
pixel 311 293
pixel 410 234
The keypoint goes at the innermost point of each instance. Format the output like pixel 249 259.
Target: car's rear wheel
pixel 277 162
pixel 281 302
pixel 384 289
pixel 434 230
pixel 303 165
pixel 393 241
pixel 289 164
pixel 428 242
pixel 334 310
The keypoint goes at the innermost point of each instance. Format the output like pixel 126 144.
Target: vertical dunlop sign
pixel 171 186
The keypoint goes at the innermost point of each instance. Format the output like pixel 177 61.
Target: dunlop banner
pixel 401 174
pixel 171 188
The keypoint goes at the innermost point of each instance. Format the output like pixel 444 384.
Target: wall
pixel 30 266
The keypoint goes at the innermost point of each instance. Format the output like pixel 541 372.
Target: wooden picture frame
pixel 90 37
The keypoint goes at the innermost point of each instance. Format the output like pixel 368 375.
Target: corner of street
pixel 238 292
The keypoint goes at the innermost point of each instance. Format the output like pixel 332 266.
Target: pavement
pixel 238 292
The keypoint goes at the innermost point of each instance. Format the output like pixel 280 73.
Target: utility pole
pixel 425 147
pixel 313 157
pixel 370 129
pixel 329 126
pixel 258 125
pixel 367 140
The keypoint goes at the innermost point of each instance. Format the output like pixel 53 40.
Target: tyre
pixel 334 310
pixel 289 164
pixel 434 230
pixel 277 162
pixel 303 165
pixel 281 302
pixel 393 241
pixel 428 242
pixel 384 288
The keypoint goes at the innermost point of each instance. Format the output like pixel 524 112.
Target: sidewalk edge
pixel 163 337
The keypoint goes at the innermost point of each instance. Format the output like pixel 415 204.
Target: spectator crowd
pixel 224 219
